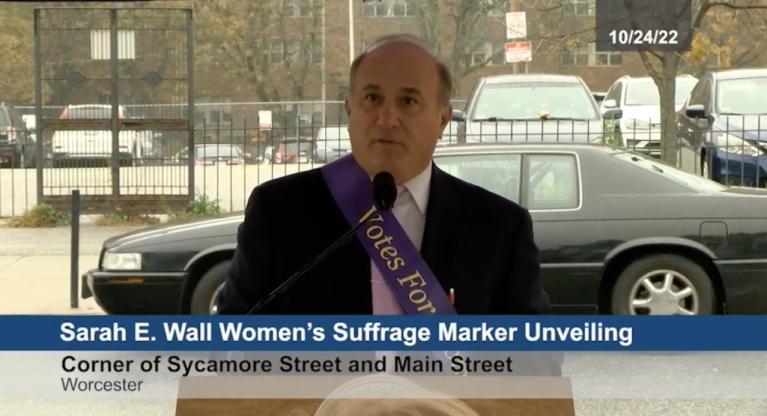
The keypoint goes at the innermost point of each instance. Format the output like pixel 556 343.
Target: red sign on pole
pixel 519 51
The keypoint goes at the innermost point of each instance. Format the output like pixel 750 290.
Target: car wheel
pixel 664 284
pixel 705 169
pixel 207 289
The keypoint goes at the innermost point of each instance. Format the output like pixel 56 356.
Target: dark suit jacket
pixel 475 242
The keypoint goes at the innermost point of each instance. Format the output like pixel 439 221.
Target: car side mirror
pixel 457 115
pixel 698 113
pixel 695 111
pixel 611 103
pixel 613 114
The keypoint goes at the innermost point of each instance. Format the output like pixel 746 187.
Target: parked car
pixel 94 145
pixel 531 108
pixel 725 121
pixel 618 232
pixel 293 151
pixel 331 143
pixel 212 154
pixel 17 146
pixel 639 128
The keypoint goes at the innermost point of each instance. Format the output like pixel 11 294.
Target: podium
pixel 306 395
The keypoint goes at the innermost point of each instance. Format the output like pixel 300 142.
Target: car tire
pixel 680 286
pixel 705 167
pixel 207 289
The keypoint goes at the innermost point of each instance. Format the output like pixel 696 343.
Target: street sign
pixel 516 25
pixel 265 120
pixel 519 51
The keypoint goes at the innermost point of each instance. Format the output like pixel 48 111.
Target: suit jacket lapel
pixel 441 229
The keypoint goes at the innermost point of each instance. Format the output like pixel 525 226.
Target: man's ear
pixel 446 115
pixel 348 108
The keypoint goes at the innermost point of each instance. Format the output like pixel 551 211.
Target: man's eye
pixel 372 97
pixel 409 100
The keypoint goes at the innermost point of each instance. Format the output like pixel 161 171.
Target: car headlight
pixel 735 145
pixel 121 261
pixel 637 124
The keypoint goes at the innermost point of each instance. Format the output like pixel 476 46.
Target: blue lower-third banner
pixel 370 333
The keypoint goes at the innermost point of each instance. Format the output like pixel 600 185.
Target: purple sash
pixel 404 270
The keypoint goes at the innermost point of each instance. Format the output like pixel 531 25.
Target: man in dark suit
pixel 478 245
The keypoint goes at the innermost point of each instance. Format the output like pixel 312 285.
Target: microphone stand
pixel 308 266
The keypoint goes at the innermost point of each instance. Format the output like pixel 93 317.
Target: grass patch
pixel 122 218
pixel 201 207
pixel 42 215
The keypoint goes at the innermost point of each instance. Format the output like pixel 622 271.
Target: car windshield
pixel 742 96
pixel 292 147
pixel 645 92
pixel 694 182
pixel 206 152
pixel 528 100
pixel 333 133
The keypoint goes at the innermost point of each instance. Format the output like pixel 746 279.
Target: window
pixel 699 95
pixel 496 8
pixel 389 8
pixel 499 173
pixel 558 99
pixel 614 94
pixel 552 182
pixel 275 52
pixel 297 8
pixel 316 51
pixel 580 7
pixel 292 49
pixel 101 43
pixel 281 51
pixel 607 58
pixel 586 54
pixel 487 55
pixel 576 56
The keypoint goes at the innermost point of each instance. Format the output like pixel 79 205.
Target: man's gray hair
pixel 445 79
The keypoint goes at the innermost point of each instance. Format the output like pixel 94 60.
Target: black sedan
pixel 617 232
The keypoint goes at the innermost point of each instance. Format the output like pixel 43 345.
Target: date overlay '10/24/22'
pixel 641 25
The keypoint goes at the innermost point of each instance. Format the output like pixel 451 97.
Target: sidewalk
pixel 35 268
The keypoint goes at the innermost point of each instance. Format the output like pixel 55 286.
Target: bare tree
pixel 266 43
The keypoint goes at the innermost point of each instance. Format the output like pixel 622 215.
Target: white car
pixel 96 144
pixel 529 108
pixel 639 101
pixel 331 143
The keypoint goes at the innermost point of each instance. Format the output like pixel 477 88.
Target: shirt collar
pixel 419 188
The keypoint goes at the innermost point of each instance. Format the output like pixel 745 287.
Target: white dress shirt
pixel 410 211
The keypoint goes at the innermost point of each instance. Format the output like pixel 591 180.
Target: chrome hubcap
pixel 664 292
pixel 213 307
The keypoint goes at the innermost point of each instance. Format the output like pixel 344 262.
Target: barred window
pixel 586 55
pixel 297 8
pixel 580 7
pixel 390 8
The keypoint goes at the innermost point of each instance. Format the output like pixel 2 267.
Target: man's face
pixel 395 115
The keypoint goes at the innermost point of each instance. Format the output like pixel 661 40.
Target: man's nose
pixel 388 115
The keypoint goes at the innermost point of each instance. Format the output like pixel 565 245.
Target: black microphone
pixel 384 191
pixel 384 194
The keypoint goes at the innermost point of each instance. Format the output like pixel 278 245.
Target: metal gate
pixel 114 100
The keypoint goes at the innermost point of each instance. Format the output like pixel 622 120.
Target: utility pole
pixel 324 69
pixel 351 31
pixel 514 6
